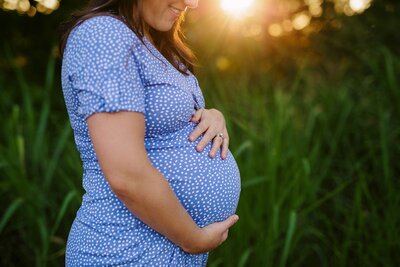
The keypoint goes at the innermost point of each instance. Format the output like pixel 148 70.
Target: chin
pixel 165 25
pixel 164 28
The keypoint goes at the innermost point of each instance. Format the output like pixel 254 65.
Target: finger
pixel 225 236
pixel 217 142
pixel 200 128
pixel 225 147
pixel 228 223
pixel 197 115
pixel 207 137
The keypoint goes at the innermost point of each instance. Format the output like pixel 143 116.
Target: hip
pixel 111 245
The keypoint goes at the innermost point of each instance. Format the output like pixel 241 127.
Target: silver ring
pixel 221 135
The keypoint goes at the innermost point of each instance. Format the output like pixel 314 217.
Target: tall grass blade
pixel 40 132
pixel 50 74
pixel 244 258
pixel 242 148
pixel 63 209
pixel 289 237
pixel 328 196
pixel 254 181
pixel 216 263
pixel 42 250
pixel 62 141
pixel 21 152
pixel 9 212
pixel 384 144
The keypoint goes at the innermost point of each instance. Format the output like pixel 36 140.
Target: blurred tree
pixel 30 40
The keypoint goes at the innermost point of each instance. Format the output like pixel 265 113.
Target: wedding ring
pixel 220 135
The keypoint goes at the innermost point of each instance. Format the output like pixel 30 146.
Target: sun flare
pixel 237 8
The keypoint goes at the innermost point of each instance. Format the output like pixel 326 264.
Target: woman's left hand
pixel 212 124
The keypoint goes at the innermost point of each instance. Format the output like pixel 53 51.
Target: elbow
pixel 124 183
pixel 119 185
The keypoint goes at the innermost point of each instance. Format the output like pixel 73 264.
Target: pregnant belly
pixel 208 188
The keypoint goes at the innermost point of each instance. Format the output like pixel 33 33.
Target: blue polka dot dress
pixel 106 68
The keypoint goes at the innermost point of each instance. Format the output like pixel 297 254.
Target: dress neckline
pixel 153 49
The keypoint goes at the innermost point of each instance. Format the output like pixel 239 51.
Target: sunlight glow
pixel 359 5
pixel 301 20
pixel 23 6
pixel 222 63
pixel 287 25
pixel 10 4
pixel 352 7
pixel 253 30
pixel 30 8
pixel 237 8
pixel 50 4
pixel 275 30
pixel 315 10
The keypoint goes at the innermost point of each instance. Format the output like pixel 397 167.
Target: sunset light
pixel 237 8
pixel 359 5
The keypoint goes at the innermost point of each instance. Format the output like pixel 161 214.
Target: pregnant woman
pixel 161 186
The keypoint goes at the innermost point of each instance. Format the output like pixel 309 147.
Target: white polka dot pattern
pixel 107 68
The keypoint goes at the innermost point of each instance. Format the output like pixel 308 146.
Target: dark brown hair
pixel 171 43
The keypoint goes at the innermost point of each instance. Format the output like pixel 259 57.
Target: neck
pixel 146 32
pixel 148 36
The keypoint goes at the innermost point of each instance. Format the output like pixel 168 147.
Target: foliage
pixel 39 170
pixel 314 124
pixel 317 159
pixel 318 163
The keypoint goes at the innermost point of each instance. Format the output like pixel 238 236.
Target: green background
pixel 313 118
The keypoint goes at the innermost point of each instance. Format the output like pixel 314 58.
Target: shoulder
pixel 104 30
pixel 104 23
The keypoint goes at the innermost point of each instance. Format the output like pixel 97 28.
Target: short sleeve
pixel 106 74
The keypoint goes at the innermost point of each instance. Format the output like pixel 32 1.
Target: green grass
pixel 39 170
pixel 318 160
pixel 318 166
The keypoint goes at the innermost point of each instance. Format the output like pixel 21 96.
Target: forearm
pixel 149 196
pixel 118 142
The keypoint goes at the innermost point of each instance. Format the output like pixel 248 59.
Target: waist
pixel 178 138
pixel 175 139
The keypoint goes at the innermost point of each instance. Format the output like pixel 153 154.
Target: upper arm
pixel 105 76
pixel 118 141
pixel 105 67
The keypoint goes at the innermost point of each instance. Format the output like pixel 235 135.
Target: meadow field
pixel 314 122
pixel 318 160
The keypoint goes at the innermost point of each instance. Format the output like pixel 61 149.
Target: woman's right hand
pixel 118 143
pixel 211 236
